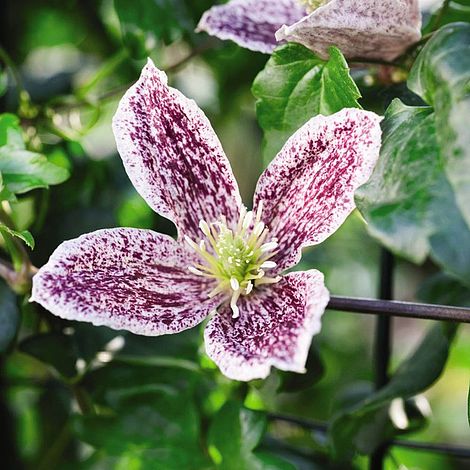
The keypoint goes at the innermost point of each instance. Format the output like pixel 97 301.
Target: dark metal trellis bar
pixel 383 344
pixel 437 448
pixel 400 309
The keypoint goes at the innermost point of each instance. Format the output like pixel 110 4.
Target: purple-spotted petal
pixel 308 189
pixel 172 155
pixel 251 23
pixel 374 29
pixel 124 278
pixel 275 328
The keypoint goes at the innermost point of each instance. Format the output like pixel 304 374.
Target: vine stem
pixel 442 11
pixel 4 56
pixel 383 344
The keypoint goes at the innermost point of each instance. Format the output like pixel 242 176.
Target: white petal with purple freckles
pixel 251 23
pixel 308 189
pixel 172 155
pixel 124 278
pixel 275 328
pixel 374 29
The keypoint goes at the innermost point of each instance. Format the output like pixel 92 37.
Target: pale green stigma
pixel 312 5
pixel 237 258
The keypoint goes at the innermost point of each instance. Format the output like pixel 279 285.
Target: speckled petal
pixel 374 29
pixel 251 23
pixel 308 189
pixel 172 155
pixel 129 279
pixel 275 328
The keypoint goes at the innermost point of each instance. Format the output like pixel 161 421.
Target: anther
pixel 268 247
pixel 249 288
pixel 196 271
pixel 268 265
pixel 234 284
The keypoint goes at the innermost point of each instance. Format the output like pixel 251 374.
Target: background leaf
pixel 23 234
pixel 441 76
pixel 408 202
pixel 363 427
pixel 152 430
pixel 233 437
pixel 145 22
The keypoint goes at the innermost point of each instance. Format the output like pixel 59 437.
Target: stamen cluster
pixel 237 258
pixel 312 5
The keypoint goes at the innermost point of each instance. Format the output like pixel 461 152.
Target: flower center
pixel 312 5
pixel 236 259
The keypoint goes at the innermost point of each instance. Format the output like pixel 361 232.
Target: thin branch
pixel 438 448
pixel 122 88
pixel 366 61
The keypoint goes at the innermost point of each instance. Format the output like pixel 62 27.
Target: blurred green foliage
pixel 78 396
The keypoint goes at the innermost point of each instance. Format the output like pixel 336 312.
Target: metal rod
pixel 383 345
pixel 400 309
pixel 437 448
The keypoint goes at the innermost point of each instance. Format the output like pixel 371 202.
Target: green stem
pixel 52 457
pixel 439 17
pixel 83 399
pixel 360 61
pixel 14 71
pixel 107 69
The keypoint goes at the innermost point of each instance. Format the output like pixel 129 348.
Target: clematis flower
pixel 373 29
pixel 227 262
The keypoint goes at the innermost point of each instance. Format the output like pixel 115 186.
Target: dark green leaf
pixel 107 385
pixel 441 76
pixel 54 349
pixel 363 427
pixel 152 430
pixel 233 437
pixel 9 316
pixel 296 85
pixel 444 290
pixel 293 382
pixel 455 10
pixel 145 22
pixel 408 202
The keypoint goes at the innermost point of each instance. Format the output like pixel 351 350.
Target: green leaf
pixel 441 76
pixel 296 85
pixel 363 427
pixel 153 430
pixel 23 171
pixel 145 22
pixel 455 10
pixel 9 316
pixel 408 202
pixel 442 289
pixel 233 437
pixel 23 235
pixel 293 382
pixel 10 131
pixel 54 349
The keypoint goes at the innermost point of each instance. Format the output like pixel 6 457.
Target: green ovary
pixel 312 5
pixel 236 258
